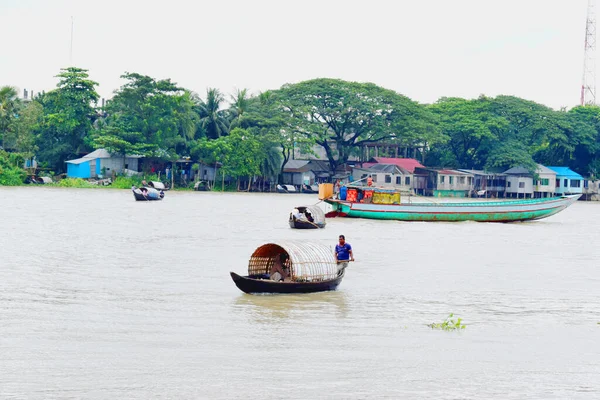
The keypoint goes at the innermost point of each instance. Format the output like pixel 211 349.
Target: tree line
pixel 255 135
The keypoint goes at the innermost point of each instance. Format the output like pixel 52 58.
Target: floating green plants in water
pixel 449 324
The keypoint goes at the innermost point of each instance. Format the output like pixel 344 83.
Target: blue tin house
pixel 567 181
pixel 91 165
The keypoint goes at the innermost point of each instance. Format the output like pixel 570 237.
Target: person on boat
pixel 280 271
pixel 309 216
pixel 298 215
pixel 144 183
pixel 343 253
pixel 370 181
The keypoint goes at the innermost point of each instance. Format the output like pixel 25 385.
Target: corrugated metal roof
pixel 518 171
pixel 386 168
pixel 545 170
pixel 408 164
pixel 566 172
pixel 99 153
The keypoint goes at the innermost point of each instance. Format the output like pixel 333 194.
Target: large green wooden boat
pixel 476 210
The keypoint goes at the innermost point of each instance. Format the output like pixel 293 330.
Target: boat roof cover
pixel 317 213
pixel 310 262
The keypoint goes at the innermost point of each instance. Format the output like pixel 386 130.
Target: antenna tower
pixel 588 85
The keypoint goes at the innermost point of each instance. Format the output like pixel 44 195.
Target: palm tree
pixel 271 164
pixel 239 105
pixel 9 103
pixel 212 120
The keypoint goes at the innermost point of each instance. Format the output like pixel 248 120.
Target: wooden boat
pixel 157 185
pixel 312 268
pixel 286 189
pixel 147 194
pixel 312 217
pixel 202 186
pixel 374 203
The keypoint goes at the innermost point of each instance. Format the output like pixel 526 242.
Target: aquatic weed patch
pixel 449 324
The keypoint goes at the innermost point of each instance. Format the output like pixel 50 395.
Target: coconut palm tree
pixel 239 105
pixel 212 118
pixel 9 103
pixel 271 164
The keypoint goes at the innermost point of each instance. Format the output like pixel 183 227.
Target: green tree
pixel 9 104
pixel 213 119
pixel 149 117
pixel 343 116
pixel 22 139
pixel 68 116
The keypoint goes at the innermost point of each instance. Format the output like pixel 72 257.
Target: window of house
pixel 442 178
pixel 575 183
pixel 586 184
pixel 398 180
pixel 558 183
pixel 407 181
pixel 461 180
pixel 374 176
pixel 508 184
pixel 126 166
pixel 545 182
pixel 566 183
pixel 388 179
pixel 451 180
pixel 363 176
pixel 470 180
pixel 521 185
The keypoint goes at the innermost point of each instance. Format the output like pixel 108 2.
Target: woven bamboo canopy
pixel 315 211
pixel 308 262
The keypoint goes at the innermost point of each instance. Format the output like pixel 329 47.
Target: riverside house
pixel 545 184
pixel 446 182
pixel 519 182
pixel 567 181
pixel 101 162
pixel 487 184
pixel 387 176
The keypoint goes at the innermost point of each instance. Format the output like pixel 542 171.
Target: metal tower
pixel 588 85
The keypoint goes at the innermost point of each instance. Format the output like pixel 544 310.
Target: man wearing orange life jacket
pixel 369 181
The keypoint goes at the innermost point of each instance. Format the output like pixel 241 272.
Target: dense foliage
pixel 252 137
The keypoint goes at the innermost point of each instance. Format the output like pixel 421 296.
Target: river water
pixel 102 297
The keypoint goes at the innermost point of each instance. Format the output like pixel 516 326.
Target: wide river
pixel 102 297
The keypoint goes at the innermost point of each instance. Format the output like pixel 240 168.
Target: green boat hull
pixel 481 211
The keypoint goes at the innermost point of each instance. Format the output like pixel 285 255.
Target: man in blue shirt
pixel 343 253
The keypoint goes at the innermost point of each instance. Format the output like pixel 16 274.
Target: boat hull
pixel 140 197
pixel 305 225
pixel 252 285
pixel 484 211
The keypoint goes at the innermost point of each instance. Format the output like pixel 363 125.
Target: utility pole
pixel 71 48
pixel 588 85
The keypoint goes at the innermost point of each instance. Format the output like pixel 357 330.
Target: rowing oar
pixel 343 261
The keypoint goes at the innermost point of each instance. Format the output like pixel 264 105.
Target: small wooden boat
pixel 375 203
pixel 202 186
pixel 307 217
pixel 147 194
pixel 157 185
pixel 312 268
pixel 286 189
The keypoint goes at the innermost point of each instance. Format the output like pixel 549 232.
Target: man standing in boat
pixel 343 253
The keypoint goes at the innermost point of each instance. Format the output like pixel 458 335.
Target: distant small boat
pixel 147 194
pixel 377 203
pixel 307 217
pixel 286 189
pixel 309 189
pixel 202 186
pixel 157 185
pixel 312 268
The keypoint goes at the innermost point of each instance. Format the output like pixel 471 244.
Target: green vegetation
pixel 75 183
pixel 250 136
pixel 11 173
pixel 449 324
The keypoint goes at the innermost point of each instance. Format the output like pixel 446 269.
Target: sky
pixel 533 49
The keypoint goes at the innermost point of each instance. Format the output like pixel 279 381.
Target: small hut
pixel 308 262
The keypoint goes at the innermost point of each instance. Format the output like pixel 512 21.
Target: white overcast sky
pixel 424 49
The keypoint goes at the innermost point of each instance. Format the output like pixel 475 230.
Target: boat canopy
pixel 317 214
pixel 309 262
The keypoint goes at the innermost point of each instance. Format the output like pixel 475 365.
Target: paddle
pixel 343 261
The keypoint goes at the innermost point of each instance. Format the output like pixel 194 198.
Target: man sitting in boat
pixel 280 271
pixel 298 215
